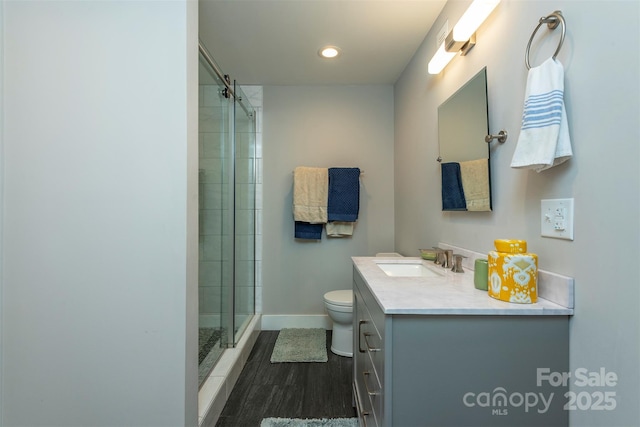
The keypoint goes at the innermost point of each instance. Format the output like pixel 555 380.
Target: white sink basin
pixel 407 270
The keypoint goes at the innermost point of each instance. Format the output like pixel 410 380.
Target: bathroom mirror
pixel 463 124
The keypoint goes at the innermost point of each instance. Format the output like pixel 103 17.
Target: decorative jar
pixel 513 273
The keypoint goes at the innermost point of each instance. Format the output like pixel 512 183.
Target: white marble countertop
pixel 447 293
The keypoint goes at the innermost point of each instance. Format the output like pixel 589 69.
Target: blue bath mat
pixel 312 422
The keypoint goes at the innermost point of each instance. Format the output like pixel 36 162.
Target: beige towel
pixel 310 194
pixel 339 229
pixel 475 183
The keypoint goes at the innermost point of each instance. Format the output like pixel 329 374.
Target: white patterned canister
pixel 513 273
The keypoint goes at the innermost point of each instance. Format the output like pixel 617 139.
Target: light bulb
pixel 473 18
pixel 329 52
pixel 440 60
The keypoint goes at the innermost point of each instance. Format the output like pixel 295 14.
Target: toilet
pixel 339 305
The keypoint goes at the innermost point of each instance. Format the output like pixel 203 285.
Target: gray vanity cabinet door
pixel 450 371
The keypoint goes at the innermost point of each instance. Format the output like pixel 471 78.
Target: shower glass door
pixel 215 217
pixel 227 193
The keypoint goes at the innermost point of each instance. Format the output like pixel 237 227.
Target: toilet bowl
pixel 339 305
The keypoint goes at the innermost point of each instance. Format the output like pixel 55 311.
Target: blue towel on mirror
pixel 344 194
pixel 305 230
pixel 452 191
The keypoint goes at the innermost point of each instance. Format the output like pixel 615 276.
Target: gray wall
pixel 322 127
pixel 99 291
pixel 602 99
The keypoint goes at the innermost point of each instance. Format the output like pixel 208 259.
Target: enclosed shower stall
pixel 227 212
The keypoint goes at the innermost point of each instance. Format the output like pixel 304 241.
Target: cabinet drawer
pixel 371 342
pixel 361 319
pixel 366 417
pixel 376 353
pixel 369 339
pixel 370 324
pixel 373 389
pixel 374 310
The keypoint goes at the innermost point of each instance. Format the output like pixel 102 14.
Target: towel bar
pixel 552 22
pixel 361 172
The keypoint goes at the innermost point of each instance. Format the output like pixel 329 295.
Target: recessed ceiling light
pixel 329 52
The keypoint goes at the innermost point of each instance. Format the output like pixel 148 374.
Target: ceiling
pixel 276 42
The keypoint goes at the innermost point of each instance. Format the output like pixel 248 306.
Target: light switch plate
pixel 556 219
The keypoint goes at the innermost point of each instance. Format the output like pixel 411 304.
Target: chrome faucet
pixel 457 263
pixel 448 255
pixel 444 257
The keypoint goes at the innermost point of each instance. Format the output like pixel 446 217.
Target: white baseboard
pixel 276 322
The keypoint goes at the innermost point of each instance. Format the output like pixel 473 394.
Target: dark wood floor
pixel 288 390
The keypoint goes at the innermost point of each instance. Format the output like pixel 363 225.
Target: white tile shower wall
pixel 244 232
pixel 213 145
pixel 254 95
pixel 211 96
pixel 244 148
pixel 212 119
pixel 212 169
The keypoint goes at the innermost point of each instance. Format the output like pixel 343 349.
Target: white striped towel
pixel 544 137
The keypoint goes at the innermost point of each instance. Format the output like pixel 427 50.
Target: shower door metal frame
pixel 224 77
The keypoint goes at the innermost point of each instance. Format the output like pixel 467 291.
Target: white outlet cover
pixel 556 218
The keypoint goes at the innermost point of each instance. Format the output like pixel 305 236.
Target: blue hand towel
pixel 344 194
pixel 452 191
pixel 305 230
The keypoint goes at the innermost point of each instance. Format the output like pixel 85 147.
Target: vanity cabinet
pixel 454 369
pixel 368 353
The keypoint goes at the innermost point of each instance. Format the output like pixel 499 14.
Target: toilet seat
pixel 342 298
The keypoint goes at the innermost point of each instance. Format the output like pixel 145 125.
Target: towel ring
pixel 552 22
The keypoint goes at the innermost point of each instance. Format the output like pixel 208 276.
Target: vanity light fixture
pixel 463 38
pixel 440 59
pixel 329 52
